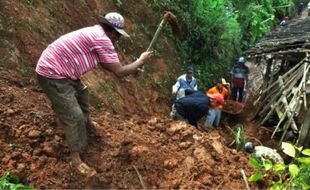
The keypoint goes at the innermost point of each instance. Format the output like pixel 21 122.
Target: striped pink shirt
pixel 76 53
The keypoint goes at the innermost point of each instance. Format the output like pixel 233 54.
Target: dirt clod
pixel 34 134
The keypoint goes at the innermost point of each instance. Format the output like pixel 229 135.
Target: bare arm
pixel 123 70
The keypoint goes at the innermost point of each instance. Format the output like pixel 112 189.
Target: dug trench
pixel 127 150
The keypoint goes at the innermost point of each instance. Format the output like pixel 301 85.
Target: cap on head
pixel 224 81
pixel 249 147
pixel 116 21
pixel 217 97
pixel 241 60
pixel 190 69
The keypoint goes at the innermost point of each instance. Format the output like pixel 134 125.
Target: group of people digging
pixel 65 60
pixel 191 105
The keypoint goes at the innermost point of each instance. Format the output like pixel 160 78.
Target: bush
pixel 215 32
pixel 295 175
pixel 11 182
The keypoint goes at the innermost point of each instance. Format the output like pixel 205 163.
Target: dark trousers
pixel 235 92
pixel 70 103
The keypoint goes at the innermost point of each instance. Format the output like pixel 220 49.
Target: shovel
pixel 168 18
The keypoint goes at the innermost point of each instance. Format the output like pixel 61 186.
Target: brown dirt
pixel 134 131
pixel 167 153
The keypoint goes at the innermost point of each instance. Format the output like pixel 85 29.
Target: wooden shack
pixel 282 101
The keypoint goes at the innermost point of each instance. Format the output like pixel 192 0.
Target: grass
pixel 29 2
pixel 118 2
pixel 12 182
pixel 107 89
pixel 95 101
pixel 4 60
pixel 24 69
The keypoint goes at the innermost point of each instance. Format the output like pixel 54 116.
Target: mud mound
pixel 165 153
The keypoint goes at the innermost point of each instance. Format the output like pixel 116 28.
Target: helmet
pixel 241 60
pixel 217 97
pixel 249 147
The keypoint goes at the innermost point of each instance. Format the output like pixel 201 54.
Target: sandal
pixel 85 169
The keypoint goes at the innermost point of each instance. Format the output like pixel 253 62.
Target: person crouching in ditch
pixel 62 64
pixel 192 107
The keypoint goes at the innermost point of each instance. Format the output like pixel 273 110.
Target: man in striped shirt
pixel 64 61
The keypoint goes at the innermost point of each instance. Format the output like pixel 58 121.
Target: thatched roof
pixel 291 40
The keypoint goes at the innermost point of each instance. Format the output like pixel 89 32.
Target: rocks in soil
pixel 207 180
pixel 201 154
pixel 185 145
pixel 139 150
pixel 188 163
pixel 34 133
pixel 20 167
pixel 176 127
pixel 37 151
pixel 49 132
pixel 25 156
pixel 9 111
pixel 170 163
pixel 49 149
pixel 6 159
pixel 217 146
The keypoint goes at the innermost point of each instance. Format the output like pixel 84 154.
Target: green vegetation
pixel 108 91
pixel 24 70
pixel 95 101
pixel 239 140
pixel 216 32
pixel 11 182
pixel 295 175
pixel 29 2
pixel 118 2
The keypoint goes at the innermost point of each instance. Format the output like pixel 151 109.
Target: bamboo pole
pixel 295 97
pixel 247 186
pixel 287 86
pixel 284 76
pixel 276 90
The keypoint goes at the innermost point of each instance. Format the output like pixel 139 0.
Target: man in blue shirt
pixel 184 82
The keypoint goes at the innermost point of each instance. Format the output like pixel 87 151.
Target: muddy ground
pixel 166 153
pixel 134 136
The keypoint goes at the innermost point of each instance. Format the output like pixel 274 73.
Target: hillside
pixel 27 27
pixel 135 144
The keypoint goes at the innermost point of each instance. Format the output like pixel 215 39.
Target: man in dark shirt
pixel 239 74
pixel 193 106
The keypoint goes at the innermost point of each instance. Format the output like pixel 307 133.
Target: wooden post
pixel 268 71
pixel 284 76
pixel 304 134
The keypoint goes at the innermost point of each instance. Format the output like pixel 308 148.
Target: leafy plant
pixel 295 175
pixel 118 2
pixel 217 31
pixel 239 140
pixel 12 182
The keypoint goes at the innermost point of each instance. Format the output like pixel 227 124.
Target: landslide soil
pixel 166 153
pixel 134 137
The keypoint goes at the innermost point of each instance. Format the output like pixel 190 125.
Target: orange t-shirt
pixel 215 90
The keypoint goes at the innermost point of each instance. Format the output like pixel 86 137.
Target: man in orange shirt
pixel 214 115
